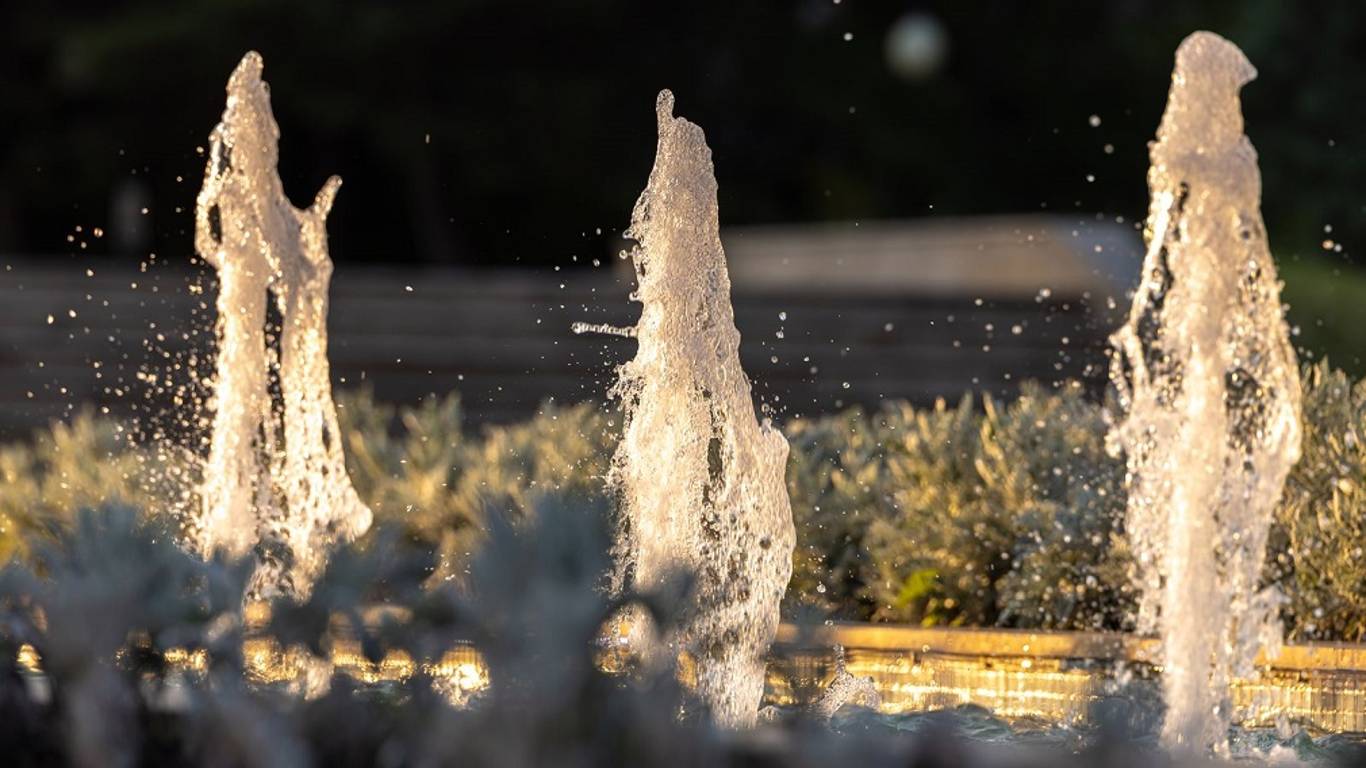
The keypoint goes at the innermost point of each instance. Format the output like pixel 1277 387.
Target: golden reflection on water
pixel 1065 690
pixel 1009 684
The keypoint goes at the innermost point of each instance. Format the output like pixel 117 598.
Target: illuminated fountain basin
pixel 1063 677
pixel 1002 686
pixel 1066 679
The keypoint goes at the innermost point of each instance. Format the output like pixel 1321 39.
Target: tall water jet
pixel 1209 385
pixel 700 480
pixel 275 478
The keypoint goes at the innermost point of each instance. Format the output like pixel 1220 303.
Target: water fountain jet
pixel 1210 390
pixel 275 478
pixel 700 480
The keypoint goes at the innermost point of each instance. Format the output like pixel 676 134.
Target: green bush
pixel 407 463
pixel 418 469
pixel 935 558
pixel 1322 517
pixel 1001 517
pixel 1067 571
pixel 990 513
pixel 71 465
pixel 835 478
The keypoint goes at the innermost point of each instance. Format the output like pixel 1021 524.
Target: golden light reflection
pixel 1316 686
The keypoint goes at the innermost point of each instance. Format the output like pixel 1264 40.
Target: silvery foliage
pixel 106 602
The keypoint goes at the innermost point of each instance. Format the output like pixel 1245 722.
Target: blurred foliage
pixel 1003 516
pixel 418 470
pixel 936 558
pixel 1323 513
pixel 1068 567
pixel 112 607
pixel 980 514
pixel 73 465
pixel 410 474
pixel 835 478
pixel 147 659
pixel 498 131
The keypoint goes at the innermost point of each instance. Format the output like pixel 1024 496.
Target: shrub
pixel 418 469
pixel 113 606
pixel 1004 514
pixel 406 464
pixel 561 452
pixel 81 463
pixel 1066 571
pixel 836 481
pixel 935 558
pixel 1322 516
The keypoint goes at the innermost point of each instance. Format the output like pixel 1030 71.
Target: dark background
pixel 540 124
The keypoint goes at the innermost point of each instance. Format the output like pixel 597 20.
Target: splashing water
pixel 275 478
pixel 1209 384
pixel 603 328
pixel 700 480
pixel 845 688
